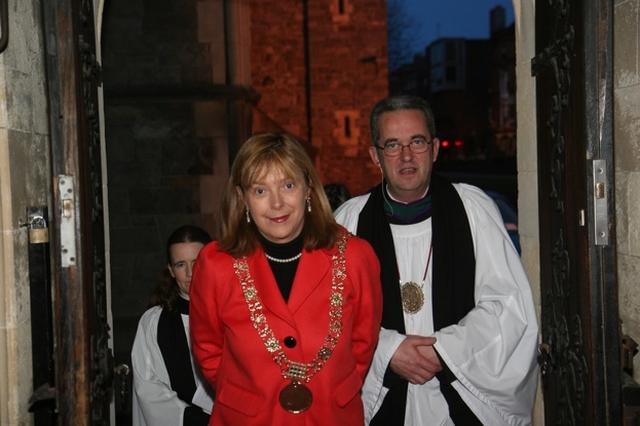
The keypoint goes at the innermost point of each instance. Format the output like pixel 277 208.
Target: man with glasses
pixel 459 332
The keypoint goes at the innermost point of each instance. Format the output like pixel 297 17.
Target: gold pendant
pixel 412 297
pixel 295 397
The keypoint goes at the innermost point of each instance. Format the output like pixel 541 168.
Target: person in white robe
pixel 168 386
pixel 488 354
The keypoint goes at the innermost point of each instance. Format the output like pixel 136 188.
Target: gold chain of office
pixel 295 370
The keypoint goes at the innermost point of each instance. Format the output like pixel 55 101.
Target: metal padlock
pixel 38 235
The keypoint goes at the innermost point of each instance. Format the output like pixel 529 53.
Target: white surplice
pixel 492 350
pixel 154 402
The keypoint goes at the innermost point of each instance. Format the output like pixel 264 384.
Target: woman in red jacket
pixel 286 306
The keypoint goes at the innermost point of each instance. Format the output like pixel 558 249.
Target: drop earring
pixel 248 217
pixel 309 205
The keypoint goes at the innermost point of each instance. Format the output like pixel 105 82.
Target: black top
pixel 173 344
pixel 284 273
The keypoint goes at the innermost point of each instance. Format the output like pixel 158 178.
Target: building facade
pixel 470 85
pixel 26 177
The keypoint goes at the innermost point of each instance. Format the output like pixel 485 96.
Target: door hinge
pixel 600 202
pixel 66 191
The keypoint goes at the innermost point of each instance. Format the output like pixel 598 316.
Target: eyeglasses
pixel 417 146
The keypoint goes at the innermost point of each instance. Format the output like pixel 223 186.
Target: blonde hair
pixel 259 154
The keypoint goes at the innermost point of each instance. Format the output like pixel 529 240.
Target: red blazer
pixel 233 356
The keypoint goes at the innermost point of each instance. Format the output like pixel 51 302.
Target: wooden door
pixel 580 350
pixel 83 361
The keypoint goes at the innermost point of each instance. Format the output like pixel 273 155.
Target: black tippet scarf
pixel 452 289
pixel 172 341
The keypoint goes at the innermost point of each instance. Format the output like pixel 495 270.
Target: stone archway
pixel 527 157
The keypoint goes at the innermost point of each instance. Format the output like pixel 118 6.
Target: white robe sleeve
pixel 349 212
pixel 492 350
pixel 154 403
pixel 373 391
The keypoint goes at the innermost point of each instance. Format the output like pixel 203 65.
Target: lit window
pixel 341 10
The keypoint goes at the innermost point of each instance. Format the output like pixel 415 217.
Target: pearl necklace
pixel 291 259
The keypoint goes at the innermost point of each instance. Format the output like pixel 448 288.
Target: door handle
pixel 122 376
pixel 545 359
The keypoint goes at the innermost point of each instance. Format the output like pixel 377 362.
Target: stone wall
pixel 153 43
pixel 277 63
pixel 166 141
pixel 25 180
pixel 626 120
pixel 528 225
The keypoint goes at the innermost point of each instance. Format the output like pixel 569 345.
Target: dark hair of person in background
pixel 337 193
pixel 167 291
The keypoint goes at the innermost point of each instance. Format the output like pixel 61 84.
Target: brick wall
pixel 347 42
